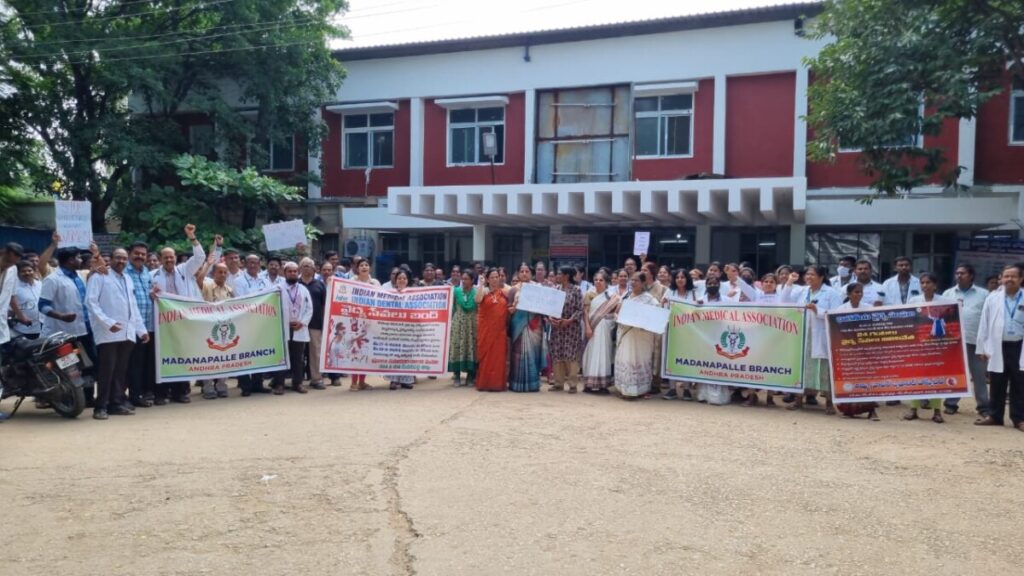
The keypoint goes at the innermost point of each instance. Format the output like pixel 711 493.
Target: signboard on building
pixel 989 257
pixel 569 250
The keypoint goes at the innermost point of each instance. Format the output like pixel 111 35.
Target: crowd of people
pixel 107 302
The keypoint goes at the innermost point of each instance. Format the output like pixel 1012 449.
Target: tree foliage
pixel 887 58
pixel 209 196
pixel 100 83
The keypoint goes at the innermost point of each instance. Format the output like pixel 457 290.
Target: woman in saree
pixel 462 348
pixel 634 356
pixel 600 306
pixel 492 333
pixel 527 331
pixel 402 281
pixel 362 275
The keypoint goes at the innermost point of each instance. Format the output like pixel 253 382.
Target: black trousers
pixel 296 364
pixel 250 382
pixel 142 370
pixel 89 345
pixel 114 358
pixel 1010 378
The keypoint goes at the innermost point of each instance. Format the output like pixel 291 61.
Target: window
pixel 664 125
pixel 369 140
pixel 466 128
pixel 274 155
pixel 1017 113
pixel 201 140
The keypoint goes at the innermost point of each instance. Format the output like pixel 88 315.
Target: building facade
pixel 690 127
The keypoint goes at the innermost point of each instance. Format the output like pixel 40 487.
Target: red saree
pixel 492 343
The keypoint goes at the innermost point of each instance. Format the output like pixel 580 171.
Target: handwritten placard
pixel 541 300
pixel 641 242
pixel 284 235
pixel 74 223
pixel 650 318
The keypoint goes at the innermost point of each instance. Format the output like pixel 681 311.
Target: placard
pixel 370 330
pixel 641 242
pixel 736 345
pixel 650 318
pixel 74 223
pixel 541 300
pixel 284 235
pixel 908 352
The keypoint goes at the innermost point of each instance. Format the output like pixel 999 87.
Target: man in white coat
pixel 8 283
pixel 298 306
pixel 117 324
pixel 179 279
pixel 1000 334
pixel 873 291
pixel 903 286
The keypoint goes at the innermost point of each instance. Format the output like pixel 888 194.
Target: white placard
pixel 74 223
pixel 284 235
pixel 641 242
pixel 541 300
pixel 650 318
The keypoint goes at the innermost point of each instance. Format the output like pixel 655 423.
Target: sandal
pixel 910 415
pixel 937 418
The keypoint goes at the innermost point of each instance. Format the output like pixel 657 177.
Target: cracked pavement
pixel 443 481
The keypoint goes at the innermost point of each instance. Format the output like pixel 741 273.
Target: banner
pixel 909 352
pixel 370 330
pixel 541 300
pixel 736 345
pixel 198 340
pixel 645 316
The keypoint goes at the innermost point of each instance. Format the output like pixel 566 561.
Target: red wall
pixel 703 136
pixel 996 161
pixel 352 182
pixel 845 172
pixel 759 125
pixel 436 172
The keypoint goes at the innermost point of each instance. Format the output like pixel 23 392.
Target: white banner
pixel 284 235
pixel 541 300
pixel 650 318
pixel 74 223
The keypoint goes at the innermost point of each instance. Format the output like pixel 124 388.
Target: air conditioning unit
pixel 358 247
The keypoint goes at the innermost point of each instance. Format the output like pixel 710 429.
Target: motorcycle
pixel 49 369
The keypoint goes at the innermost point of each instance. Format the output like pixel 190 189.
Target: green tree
pixel 885 58
pixel 208 196
pixel 99 83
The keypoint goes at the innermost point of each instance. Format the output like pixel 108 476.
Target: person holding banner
pixel 855 301
pixel 1000 336
pixel 402 281
pixel 462 348
pixel 217 289
pixel 599 325
pixel 634 355
pixel 527 362
pixel 818 297
pixel 929 286
pixel 300 311
pixel 492 334
pixel 566 337
pixel 362 274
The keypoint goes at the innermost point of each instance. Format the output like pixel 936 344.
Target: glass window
pixel 664 125
pixel 466 128
pixel 369 140
pixel 1017 117
pixel 282 154
pixel 200 140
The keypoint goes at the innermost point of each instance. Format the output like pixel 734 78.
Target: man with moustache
pixel 142 365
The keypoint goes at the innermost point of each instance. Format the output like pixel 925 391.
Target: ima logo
pixel 223 336
pixel 732 344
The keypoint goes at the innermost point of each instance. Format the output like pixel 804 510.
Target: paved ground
pixel 443 481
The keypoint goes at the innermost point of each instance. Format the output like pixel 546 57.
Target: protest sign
pixel 909 352
pixel 650 318
pixel 284 235
pixel 641 242
pixel 370 330
pixel 541 300
pixel 74 223
pixel 197 340
pixel 736 345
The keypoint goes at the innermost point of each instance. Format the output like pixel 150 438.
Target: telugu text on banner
pixel 906 352
pixel 736 345
pixel 371 330
pixel 199 340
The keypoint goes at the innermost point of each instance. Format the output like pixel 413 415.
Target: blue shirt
pixel 46 305
pixel 142 283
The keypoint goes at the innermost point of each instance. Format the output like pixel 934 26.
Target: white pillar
pixel 965 150
pixel 718 134
pixel 529 134
pixel 797 244
pixel 415 252
pixel 800 125
pixel 702 245
pixel 313 157
pixel 416 142
pixel 481 243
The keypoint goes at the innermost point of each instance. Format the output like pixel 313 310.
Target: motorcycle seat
pixel 23 348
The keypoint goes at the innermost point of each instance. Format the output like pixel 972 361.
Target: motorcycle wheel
pixel 66 399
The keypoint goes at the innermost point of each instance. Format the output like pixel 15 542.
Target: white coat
pixel 828 298
pixel 111 300
pixel 990 331
pixel 184 276
pixel 7 286
pixel 891 289
pixel 299 311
